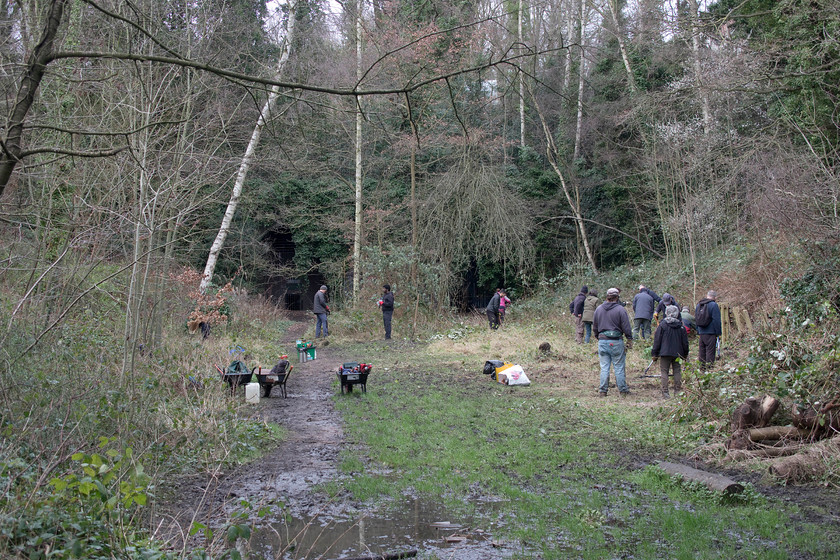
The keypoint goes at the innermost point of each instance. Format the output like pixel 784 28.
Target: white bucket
pixel 252 393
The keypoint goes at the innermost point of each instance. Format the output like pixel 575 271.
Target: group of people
pixel 322 310
pixel 609 323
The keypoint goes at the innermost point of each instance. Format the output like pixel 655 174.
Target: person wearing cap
pixel 386 304
pixel 643 304
pixel 709 334
pixel 611 325
pixel 670 345
pixel 666 300
pixel 320 309
pixel 576 307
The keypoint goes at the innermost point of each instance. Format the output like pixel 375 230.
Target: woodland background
pixel 448 147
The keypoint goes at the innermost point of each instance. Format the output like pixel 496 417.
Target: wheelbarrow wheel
pixel 266 391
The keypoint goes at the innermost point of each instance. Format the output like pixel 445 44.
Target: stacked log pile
pixel 795 456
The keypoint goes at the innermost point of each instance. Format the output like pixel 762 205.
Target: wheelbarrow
pixel 353 373
pixel 268 381
pixel 236 374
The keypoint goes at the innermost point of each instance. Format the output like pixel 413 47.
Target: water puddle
pixel 414 525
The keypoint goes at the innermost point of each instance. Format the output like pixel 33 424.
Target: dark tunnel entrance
pixel 294 293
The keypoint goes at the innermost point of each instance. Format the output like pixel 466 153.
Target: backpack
pixel 702 316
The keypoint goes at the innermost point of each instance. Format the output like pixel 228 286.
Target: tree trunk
pixel 245 164
pixel 36 65
pixel 574 204
pixel 622 45
pixel 521 83
pixel 357 230
pixel 698 79
pixel 581 76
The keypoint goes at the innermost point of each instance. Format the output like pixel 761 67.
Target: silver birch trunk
pixel 521 83
pixel 357 230
pixel 574 202
pixel 698 78
pixel 245 164
pixel 581 76
pixel 622 45
pixel 567 71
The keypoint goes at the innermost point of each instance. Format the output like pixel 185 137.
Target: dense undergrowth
pixel 85 450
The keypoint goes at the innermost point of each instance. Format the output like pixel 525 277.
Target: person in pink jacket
pixel 503 303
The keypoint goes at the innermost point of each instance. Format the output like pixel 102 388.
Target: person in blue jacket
pixel 708 334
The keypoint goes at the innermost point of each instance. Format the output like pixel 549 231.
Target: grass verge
pixel 567 474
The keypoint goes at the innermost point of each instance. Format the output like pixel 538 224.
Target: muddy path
pixel 282 480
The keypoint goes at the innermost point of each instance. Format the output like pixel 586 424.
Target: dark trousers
pixel 666 363
pixel 387 315
pixel 493 318
pixel 707 350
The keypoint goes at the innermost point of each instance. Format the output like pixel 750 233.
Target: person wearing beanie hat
pixel 321 309
pixel 386 304
pixel 590 304
pixel 576 308
pixel 643 304
pixel 670 345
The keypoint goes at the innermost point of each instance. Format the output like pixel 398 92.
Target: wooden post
pixel 736 311
pixel 748 322
pixel 724 323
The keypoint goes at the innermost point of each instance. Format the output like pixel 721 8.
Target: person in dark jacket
pixel 493 311
pixel 709 334
pixel 651 293
pixel 670 345
pixel 320 309
pixel 590 304
pixel 611 325
pixel 667 299
pixel 643 304
pixel 576 307
pixel 386 304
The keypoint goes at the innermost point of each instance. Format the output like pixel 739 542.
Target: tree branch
pixel 615 229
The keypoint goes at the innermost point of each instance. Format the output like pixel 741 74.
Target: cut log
pixel 754 413
pixel 740 440
pixel 810 463
pixel 712 481
pixel 778 432
pixel 767 409
pixel 764 453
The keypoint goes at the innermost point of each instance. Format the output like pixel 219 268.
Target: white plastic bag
pixel 516 376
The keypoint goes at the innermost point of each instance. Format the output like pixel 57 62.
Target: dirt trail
pixel 285 476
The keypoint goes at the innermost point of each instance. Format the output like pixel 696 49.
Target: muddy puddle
pixel 414 524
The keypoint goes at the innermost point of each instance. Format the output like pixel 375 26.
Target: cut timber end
pixel 714 482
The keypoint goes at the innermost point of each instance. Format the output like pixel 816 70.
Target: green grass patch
pixel 560 472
